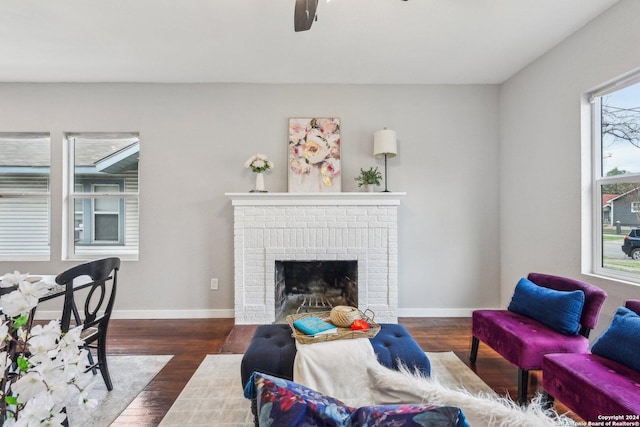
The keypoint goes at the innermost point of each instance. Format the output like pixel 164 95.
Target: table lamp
pixel 385 145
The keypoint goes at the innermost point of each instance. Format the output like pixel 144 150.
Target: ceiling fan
pixel 305 12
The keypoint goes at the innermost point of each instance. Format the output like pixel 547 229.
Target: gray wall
pixel 544 153
pixel 196 138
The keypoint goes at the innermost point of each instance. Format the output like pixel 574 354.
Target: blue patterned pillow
pixel 621 341
pixel 559 310
pixel 285 403
pixel 409 416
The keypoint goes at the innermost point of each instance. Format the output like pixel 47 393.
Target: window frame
pixel 598 180
pixel 26 195
pixel 100 248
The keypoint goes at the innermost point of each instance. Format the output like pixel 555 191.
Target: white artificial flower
pixel 41 411
pixel 4 360
pixel 56 366
pixel 12 279
pixel 4 333
pixel 37 289
pixel 258 163
pixel 29 386
pixel 44 338
pixel 17 303
pixel 83 397
pixel 247 164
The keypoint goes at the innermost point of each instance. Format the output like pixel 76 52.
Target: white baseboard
pixel 153 314
pixel 229 313
pixel 435 312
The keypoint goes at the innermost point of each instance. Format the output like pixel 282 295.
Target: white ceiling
pixel 353 41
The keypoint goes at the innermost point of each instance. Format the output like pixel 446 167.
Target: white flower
pixel 4 333
pixel 41 411
pixel 258 163
pixel 17 303
pixel 4 360
pixel 83 397
pixel 12 279
pixel 37 289
pixel 44 338
pixel 29 386
pixel 55 370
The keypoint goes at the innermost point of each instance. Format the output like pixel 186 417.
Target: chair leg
pixel 523 384
pixel 475 342
pixel 102 361
pixel 91 362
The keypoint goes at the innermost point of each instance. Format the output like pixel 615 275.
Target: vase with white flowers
pixel 41 367
pixel 259 164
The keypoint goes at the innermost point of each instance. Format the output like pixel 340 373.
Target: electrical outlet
pixel 214 284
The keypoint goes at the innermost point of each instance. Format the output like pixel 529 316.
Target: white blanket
pixel 337 368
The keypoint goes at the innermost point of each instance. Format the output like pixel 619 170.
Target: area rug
pixel 130 375
pixel 214 392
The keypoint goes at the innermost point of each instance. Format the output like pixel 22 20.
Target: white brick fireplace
pixel 270 227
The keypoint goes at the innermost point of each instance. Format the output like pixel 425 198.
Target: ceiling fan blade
pixel 304 14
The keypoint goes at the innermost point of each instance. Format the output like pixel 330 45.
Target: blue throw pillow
pixel 559 310
pixel 285 403
pixel 621 342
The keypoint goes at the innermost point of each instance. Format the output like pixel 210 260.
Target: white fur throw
pixel 392 387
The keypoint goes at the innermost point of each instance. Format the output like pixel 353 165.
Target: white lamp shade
pixel 384 142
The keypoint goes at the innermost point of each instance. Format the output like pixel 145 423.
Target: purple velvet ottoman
pixel 272 351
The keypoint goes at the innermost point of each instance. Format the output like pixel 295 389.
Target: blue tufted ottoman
pixel 272 351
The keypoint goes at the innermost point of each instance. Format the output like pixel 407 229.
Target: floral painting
pixel 314 155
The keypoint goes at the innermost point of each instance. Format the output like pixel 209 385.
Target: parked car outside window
pixel 631 245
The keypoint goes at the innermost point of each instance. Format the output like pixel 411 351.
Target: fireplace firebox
pixel 308 286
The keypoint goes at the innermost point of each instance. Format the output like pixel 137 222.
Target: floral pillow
pixel 285 403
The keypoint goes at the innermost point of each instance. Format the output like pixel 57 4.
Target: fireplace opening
pixel 309 286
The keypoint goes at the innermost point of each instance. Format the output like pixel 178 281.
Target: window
pixel 616 183
pixel 24 196
pixel 103 195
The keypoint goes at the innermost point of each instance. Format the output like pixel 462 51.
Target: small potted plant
pixel 369 178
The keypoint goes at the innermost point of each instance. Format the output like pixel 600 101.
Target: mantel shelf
pixel 319 199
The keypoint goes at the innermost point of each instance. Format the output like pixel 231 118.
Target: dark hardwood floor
pixel 190 340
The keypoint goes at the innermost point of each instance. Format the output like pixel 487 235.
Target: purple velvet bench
pixel 593 386
pixel 272 351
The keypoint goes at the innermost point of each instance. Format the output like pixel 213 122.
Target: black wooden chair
pixel 95 297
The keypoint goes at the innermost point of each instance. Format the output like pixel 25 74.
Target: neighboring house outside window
pixel 616 176
pixel 103 199
pixel 24 196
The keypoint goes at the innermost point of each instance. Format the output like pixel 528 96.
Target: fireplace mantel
pixel 315 199
pixel 271 227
